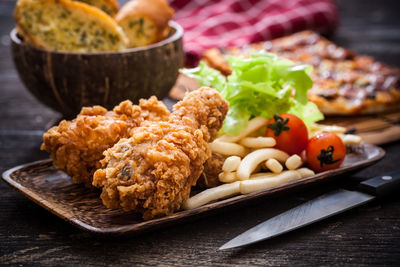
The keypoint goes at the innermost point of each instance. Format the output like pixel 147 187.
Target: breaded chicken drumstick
pixel 153 170
pixel 77 146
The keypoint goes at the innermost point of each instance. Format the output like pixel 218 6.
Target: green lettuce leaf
pixel 206 76
pixel 261 85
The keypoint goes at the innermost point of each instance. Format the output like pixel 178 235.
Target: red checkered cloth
pixel 222 23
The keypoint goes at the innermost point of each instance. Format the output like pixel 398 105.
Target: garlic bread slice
pixel 144 22
pixel 109 6
pixel 65 25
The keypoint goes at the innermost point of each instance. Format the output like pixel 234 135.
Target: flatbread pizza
pixel 344 83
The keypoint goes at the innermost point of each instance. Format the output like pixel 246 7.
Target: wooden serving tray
pixel 53 189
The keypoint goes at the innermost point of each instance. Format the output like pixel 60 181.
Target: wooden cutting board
pixel 376 129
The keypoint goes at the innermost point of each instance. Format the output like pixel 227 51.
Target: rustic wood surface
pixel 368 235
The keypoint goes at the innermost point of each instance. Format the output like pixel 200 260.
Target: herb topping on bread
pixel 145 22
pixel 65 25
pixel 109 6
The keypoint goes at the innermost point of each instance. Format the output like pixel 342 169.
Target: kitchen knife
pixel 317 209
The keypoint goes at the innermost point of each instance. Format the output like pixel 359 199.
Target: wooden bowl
pixel 68 81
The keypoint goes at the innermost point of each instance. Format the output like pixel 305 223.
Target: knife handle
pixel 382 185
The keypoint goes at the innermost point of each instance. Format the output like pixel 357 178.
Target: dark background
pixel 369 235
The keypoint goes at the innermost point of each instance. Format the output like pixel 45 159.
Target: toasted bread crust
pixel 41 31
pixel 158 10
pixel 154 14
pixel 109 6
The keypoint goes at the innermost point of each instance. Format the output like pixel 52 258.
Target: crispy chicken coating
pixel 77 146
pixel 212 167
pixel 152 171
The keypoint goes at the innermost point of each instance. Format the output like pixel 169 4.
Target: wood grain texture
pixel 365 236
pixel 68 81
pixel 54 190
pixel 375 129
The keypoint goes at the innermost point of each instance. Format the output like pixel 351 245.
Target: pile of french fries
pixel 253 164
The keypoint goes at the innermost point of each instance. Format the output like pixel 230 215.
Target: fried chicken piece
pixel 152 171
pixel 212 167
pixel 77 146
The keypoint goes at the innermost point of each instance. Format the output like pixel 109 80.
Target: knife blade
pixel 318 209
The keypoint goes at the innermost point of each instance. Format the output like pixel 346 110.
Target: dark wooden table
pixel 369 235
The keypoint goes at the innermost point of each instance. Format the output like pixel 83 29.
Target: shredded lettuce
pixel 260 86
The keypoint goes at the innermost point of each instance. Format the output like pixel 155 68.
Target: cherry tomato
pixel 325 151
pixel 289 132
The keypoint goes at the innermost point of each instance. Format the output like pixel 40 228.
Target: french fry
pixel 261 183
pixel 228 149
pixel 293 162
pixel 258 181
pixel 350 139
pixel 208 195
pixel 274 166
pixel 262 175
pixel 231 164
pixel 257 142
pixel 305 172
pixel 253 125
pixel 252 160
pixel 253 185
pixel 227 177
pixel 315 127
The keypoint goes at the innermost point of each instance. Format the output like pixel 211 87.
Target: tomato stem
pixel 279 125
pixel 326 156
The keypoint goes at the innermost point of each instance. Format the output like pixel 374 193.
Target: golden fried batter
pixel 153 170
pixel 77 146
pixel 212 167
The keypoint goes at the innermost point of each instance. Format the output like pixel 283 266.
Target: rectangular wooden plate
pixel 52 189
